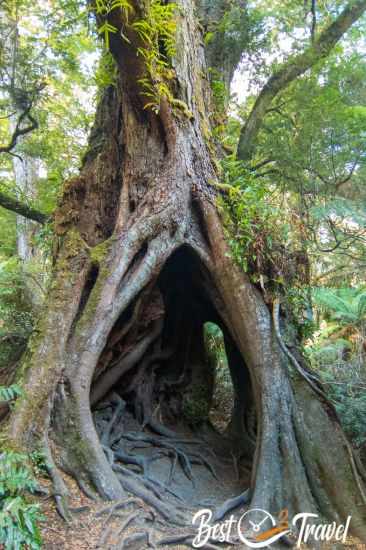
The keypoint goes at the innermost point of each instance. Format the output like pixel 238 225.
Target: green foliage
pixel 347 306
pixel 18 517
pixel 195 406
pixel 39 463
pixel 223 396
pixel 233 32
pixel 259 237
pixel 157 31
pixel 214 342
pixel 345 386
pixel 250 213
pixel 104 8
pixel 8 393
pixel 221 97
pixel 313 147
pixel 300 313
pixel 350 404
pixel 106 72
pixel 47 46
pixel 16 319
pixel 342 332
pixel 8 233
pixel 337 353
pixel 43 61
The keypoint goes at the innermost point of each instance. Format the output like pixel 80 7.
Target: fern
pixel 18 517
pixel 157 32
pixel 9 393
pixel 346 305
pixel 105 8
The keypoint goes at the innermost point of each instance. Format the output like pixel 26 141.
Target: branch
pixel 23 209
pixel 18 132
pixel 261 164
pixel 290 70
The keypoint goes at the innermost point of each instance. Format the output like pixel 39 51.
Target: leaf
pixel 105 29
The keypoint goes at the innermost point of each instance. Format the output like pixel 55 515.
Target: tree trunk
pixel 142 264
pixel 26 175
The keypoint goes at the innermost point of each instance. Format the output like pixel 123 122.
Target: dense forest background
pixel 295 216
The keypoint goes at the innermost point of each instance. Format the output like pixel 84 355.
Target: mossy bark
pixel 145 195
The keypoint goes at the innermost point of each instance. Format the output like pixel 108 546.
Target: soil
pixel 86 530
pixel 93 527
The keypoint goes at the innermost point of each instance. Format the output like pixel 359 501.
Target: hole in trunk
pixel 157 390
pixel 223 394
pixel 88 287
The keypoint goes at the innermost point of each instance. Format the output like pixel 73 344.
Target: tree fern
pixel 345 305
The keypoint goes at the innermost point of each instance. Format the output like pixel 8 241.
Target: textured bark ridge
pixel 142 264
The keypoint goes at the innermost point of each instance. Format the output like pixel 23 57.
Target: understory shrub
pixel 18 516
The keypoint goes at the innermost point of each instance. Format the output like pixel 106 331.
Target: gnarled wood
pixel 140 223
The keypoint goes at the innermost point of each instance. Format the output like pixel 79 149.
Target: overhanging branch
pixel 20 131
pixel 22 209
pixel 293 68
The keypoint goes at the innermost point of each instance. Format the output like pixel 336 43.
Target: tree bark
pixel 141 245
pixel 26 170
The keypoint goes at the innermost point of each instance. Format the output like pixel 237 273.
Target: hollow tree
pixel 142 263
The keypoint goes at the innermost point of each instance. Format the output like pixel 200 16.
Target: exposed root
pixel 118 505
pixel 166 511
pixel 133 454
pixel 121 405
pixel 85 489
pixel 61 492
pixel 313 382
pixel 235 465
pixel 131 539
pixel 172 469
pixel 310 379
pixel 126 458
pixel 113 511
pixel 160 429
pixel 186 540
pixel 151 539
pixel 130 518
pixel 232 503
pixel 183 456
pixel 357 476
pixel 132 468
pixel 123 365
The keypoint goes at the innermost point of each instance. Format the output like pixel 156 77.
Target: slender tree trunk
pixel 26 175
pixel 142 259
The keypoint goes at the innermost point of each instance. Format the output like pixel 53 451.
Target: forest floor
pixel 87 530
pixel 93 527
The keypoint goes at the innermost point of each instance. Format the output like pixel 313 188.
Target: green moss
pixel 182 106
pixel 196 405
pixel 99 252
pixel 98 255
pixel 79 446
